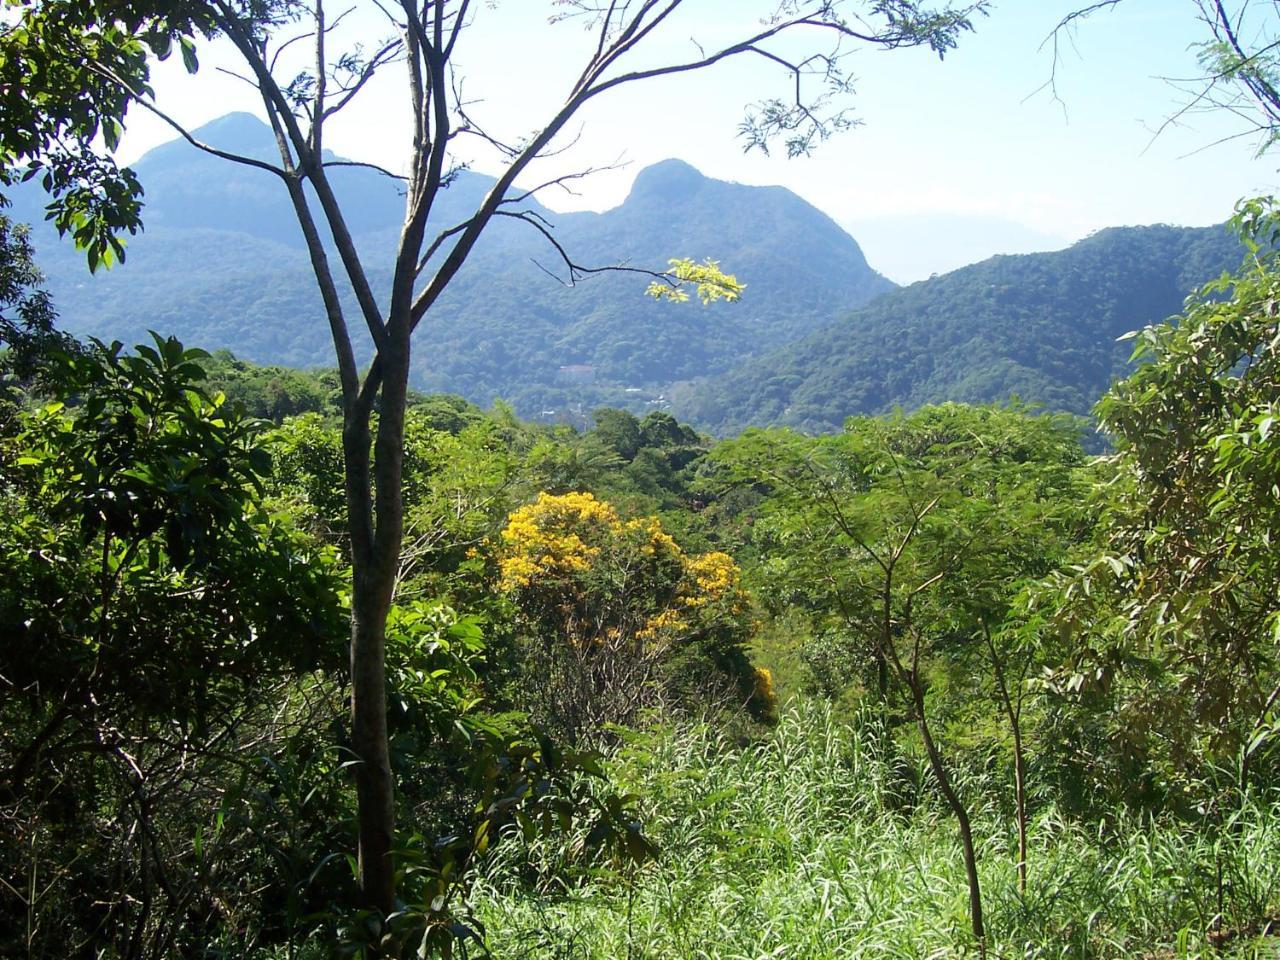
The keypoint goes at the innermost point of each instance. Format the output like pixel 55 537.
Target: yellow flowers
pixel 668 623
pixel 655 542
pixel 571 558
pixel 764 694
pixel 561 536
pixel 624 605
pixel 546 538
pixel 715 575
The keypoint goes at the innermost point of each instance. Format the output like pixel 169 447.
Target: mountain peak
pixel 667 179
pixel 239 130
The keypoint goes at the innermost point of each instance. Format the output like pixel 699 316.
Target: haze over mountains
pixel 222 265
pixel 819 335
pixel 910 247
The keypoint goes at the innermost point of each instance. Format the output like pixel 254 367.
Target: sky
pixel 952 160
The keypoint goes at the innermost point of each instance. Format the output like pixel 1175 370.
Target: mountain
pixel 1040 326
pixel 221 264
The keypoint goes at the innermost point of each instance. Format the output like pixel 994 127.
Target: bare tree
pixel 808 41
pixel 1239 59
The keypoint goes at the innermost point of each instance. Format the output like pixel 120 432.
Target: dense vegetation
pixel 1042 327
pixel 935 679
pixel 376 673
pixel 817 841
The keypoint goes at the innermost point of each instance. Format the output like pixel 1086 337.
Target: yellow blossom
pixel 715 576
pixel 545 539
pixel 763 692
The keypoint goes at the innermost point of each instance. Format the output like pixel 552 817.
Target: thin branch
pixel 576 271
pixel 1263 92
pixel 367 166
pixel 387 54
pixel 322 73
pixel 632 34
pixel 596 87
pixel 563 182
pixel 1053 39
pixel 237 76
pixel 391 18
pixel 460 21
pixel 439 241
pixel 282 117
pixel 147 104
pixel 843 523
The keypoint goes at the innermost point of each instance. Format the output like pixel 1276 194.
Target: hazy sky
pixel 954 160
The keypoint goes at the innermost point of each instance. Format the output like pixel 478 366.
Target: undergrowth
pixel 823 841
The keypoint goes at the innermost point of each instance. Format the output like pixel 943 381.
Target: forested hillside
pixel 222 263
pixel 1042 327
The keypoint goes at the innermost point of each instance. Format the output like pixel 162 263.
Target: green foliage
pixel 458 487
pixel 619 431
pixel 908 538
pixel 145 556
pixel 307 475
pixel 926 523
pixel 1173 620
pixel 1240 65
pixel 271 393
pixel 708 280
pixel 174 617
pixel 68 73
pixel 154 608
pixel 476 783
pixel 218 617
pixel 27 333
pixel 431 666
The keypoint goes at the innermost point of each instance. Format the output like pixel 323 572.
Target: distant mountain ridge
pixel 818 337
pixel 1041 326
pixel 221 264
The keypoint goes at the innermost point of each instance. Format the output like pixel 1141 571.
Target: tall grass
pixel 821 841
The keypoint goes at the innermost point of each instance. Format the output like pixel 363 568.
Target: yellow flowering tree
pixel 617 618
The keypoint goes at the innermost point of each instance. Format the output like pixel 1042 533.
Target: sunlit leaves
pixel 707 279
pixel 169 565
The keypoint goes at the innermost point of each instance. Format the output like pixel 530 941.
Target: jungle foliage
pixel 955 613
pixel 631 660
pixel 937 683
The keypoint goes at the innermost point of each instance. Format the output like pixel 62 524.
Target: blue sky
pixel 954 161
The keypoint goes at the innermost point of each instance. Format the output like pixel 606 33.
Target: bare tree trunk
pixel 958 808
pixel 374 786
pixel 1020 802
pixel 1014 715
pixel 374 559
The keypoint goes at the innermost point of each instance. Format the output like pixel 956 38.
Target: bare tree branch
pixel 150 106
pixel 366 166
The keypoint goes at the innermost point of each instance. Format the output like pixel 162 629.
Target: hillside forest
pixel 918 622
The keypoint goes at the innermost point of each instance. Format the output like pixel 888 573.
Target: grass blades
pixel 822 841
